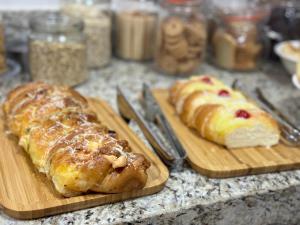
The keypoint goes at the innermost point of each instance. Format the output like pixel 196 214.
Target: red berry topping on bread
pixel 224 93
pixel 206 80
pixel 242 114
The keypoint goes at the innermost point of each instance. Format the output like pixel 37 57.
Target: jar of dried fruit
pixel 238 41
pixel 135 28
pixel 96 15
pixel 181 38
pixel 57 50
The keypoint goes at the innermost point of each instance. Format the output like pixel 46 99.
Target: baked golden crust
pixel 173 91
pixel 221 114
pixel 198 98
pixel 65 140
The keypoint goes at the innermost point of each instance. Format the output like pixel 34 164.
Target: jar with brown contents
pixel 181 38
pixel 57 50
pixel 237 42
pixel 135 29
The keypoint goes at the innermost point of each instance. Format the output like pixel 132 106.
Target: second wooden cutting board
pixel 216 161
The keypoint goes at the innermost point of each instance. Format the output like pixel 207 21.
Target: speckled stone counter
pixel 188 197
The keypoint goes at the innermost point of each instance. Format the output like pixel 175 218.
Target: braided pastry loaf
pixel 221 114
pixel 65 141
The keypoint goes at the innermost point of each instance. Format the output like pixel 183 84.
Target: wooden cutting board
pixel 216 161
pixel 27 194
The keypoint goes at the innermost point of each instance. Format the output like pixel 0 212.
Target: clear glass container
pixel 182 35
pixel 3 63
pixel 57 50
pixel 135 28
pixel 237 41
pixel 283 24
pixel 285 19
pixel 96 15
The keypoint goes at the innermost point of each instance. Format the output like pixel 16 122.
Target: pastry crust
pixel 198 98
pixel 67 142
pixel 221 114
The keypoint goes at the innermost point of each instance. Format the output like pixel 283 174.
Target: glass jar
pixel 57 50
pixel 238 41
pixel 135 28
pixel 283 24
pixel 3 64
pixel 96 15
pixel 285 19
pixel 181 38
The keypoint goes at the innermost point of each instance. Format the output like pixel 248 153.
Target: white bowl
pixel 289 61
pixel 296 81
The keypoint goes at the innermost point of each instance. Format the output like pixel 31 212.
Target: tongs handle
pixel 272 107
pixel 169 132
pixel 127 111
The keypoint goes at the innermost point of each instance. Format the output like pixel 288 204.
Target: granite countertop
pixel 188 197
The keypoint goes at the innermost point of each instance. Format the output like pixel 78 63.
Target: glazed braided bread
pixel 65 140
pixel 221 114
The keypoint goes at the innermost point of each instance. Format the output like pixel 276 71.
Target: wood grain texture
pixel 216 161
pixel 26 194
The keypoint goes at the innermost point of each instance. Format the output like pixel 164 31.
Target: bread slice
pixel 223 115
pixel 198 98
pixel 257 135
pixel 184 89
pixel 236 125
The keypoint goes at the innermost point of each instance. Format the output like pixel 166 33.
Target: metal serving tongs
pixel 171 158
pixel 154 114
pixel 290 134
pixel 291 130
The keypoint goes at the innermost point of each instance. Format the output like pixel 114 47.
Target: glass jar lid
pixel 242 10
pixel 87 2
pixel 182 3
pixel 183 7
pixel 135 5
pixel 56 23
